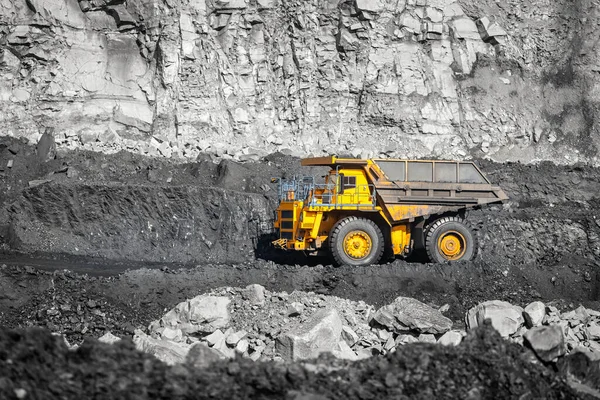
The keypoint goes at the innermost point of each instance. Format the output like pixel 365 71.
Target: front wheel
pixel 356 242
pixel 449 239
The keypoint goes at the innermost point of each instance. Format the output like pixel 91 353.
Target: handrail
pixel 327 194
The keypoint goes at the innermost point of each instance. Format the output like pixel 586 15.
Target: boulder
pixel 321 333
pixel 451 338
pixel 548 342
pixel 169 352
pixel 255 294
pixel 201 356
pixel 505 318
pixel 534 314
pixel 203 313
pixel 407 314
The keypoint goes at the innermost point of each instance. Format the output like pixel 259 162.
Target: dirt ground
pixel 74 212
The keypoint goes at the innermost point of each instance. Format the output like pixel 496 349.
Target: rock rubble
pixel 350 330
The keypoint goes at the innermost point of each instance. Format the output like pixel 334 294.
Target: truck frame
pixel 368 208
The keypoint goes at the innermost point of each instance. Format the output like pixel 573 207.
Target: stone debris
pixel 506 318
pixel 350 330
pixel 549 333
pixel 263 325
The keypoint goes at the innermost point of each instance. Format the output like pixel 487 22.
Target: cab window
pixel 349 182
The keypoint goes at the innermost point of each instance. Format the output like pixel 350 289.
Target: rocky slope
pixel 513 80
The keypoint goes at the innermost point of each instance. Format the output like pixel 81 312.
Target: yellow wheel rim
pixel 357 245
pixel 452 245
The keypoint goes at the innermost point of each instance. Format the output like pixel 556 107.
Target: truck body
pixel 367 208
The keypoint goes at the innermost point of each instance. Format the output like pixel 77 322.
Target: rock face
pixel 320 334
pixel 505 317
pixel 180 224
pixel 172 78
pixel 407 314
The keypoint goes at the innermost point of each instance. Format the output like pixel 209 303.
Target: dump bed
pixel 432 187
pixel 407 189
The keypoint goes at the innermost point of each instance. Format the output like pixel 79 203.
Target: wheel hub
pixel 357 245
pixel 452 245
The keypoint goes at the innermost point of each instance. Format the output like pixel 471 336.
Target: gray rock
pixel 295 309
pixel 203 313
pixel 426 338
pixel 506 318
pixel 344 352
pixel 577 316
pixel 242 346
pixel 349 336
pixel 88 136
pixel 373 6
pixel 109 338
pixel 201 356
pixel 405 339
pixel 548 342
pixel 255 294
pixel 321 333
pixel 229 4
pixel 235 337
pixel 46 147
pixel 407 314
pixel 215 337
pixel 534 313
pixel 169 352
pixel 592 331
pixel 451 338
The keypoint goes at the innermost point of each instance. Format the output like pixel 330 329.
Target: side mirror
pixel 275 180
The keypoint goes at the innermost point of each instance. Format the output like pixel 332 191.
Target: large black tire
pixel 448 239
pixel 356 242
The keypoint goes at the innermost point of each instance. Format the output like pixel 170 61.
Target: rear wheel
pixel 356 241
pixel 449 239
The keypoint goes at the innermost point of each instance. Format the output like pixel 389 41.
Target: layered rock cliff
pixel 510 80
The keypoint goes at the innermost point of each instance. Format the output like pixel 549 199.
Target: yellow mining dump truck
pixel 368 208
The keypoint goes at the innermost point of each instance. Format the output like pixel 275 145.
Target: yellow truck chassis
pixel 366 208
